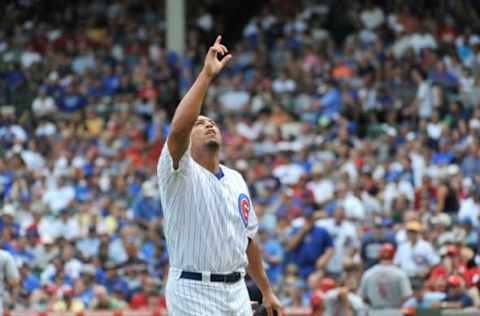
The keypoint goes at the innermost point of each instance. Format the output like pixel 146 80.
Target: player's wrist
pixel 267 291
pixel 206 74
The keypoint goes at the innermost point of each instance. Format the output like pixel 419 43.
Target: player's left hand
pixel 272 303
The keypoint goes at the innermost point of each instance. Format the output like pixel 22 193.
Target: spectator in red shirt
pixel 452 263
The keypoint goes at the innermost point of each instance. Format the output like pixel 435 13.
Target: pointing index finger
pixel 219 38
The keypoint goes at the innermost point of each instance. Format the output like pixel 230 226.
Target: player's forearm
pixel 255 267
pixel 187 112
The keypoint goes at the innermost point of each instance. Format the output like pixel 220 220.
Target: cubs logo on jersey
pixel 244 208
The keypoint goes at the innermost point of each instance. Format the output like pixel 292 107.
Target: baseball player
pixel 9 275
pixel 385 286
pixel 209 218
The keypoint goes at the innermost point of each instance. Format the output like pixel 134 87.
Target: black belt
pixel 225 278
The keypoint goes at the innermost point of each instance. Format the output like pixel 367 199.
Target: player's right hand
pixel 212 66
pixel 272 304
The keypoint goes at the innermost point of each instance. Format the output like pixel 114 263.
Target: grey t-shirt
pixel 334 308
pixel 385 286
pixel 8 272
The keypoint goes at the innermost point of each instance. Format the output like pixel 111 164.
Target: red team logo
pixel 244 208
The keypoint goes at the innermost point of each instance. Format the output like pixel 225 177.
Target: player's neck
pixel 208 159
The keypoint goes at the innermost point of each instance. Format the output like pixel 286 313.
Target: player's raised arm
pixel 189 108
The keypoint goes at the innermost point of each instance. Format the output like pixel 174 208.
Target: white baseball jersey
pixel 207 223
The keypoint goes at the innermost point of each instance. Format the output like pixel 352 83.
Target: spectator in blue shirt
pixel 421 297
pixel 30 281
pixel 456 294
pixel 373 241
pixel 331 100
pixel 146 207
pixel 113 280
pixel 273 254
pixel 310 247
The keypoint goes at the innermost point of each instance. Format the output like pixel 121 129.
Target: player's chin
pixel 212 143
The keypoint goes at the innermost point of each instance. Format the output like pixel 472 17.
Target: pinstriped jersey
pixel 207 220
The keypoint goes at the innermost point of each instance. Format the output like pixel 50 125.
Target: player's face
pixel 205 132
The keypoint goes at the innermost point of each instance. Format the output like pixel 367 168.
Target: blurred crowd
pixel 354 125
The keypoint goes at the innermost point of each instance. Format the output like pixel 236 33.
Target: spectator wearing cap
pixel 416 256
pixel 451 263
pixel 8 223
pixel 385 287
pixel 373 240
pixel 345 239
pixel 457 296
pixel 422 297
pixel 309 246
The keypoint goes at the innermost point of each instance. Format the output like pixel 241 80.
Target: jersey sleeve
pixel 165 169
pixel 252 226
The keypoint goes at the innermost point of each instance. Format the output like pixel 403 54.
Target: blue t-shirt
pixel 71 102
pixel 370 248
pixel 313 246
pixel 463 298
pixel 273 248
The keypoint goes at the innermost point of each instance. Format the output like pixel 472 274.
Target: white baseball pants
pixel 205 298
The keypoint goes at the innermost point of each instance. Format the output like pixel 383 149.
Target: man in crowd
pixel 416 256
pixel 385 286
pixel 310 246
